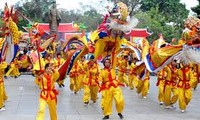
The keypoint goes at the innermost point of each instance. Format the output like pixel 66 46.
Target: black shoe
pixel 63 85
pixel 195 88
pixel 86 103
pixel 120 116
pixel 15 76
pixel 60 86
pixel 75 92
pixel 5 77
pixel 106 117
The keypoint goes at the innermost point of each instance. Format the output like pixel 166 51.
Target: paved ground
pixel 23 104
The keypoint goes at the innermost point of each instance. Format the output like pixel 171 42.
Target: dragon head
pixel 120 11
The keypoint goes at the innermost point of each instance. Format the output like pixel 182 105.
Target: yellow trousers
pixel 122 77
pixel 133 81
pixel 102 99
pixel 90 92
pixel 86 96
pixel 143 87
pixel 73 84
pixel 3 96
pixel 13 71
pixel 109 95
pixel 42 107
pixel 168 98
pixel 185 96
pixel 161 91
pixel 81 77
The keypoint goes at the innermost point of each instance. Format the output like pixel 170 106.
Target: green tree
pixel 196 9
pixel 34 9
pixel 155 22
pixel 173 10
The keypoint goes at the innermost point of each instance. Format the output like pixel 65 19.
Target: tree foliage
pixel 196 9
pixel 34 9
pixel 173 10
pixel 155 22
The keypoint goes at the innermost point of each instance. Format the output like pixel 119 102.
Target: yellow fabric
pixel 86 93
pixel 56 62
pixel 116 94
pixel 74 78
pixel 94 71
pixel 145 48
pixel 161 82
pixel 101 44
pixel 81 72
pixel 44 85
pixel 1 42
pixel 110 91
pixel 170 88
pixel 185 96
pixel 168 98
pixel 194 75
pixel 143 85
pixel 42 107
pixel 73 84
pixel 160 56
pixel 102 99
pixel 122 71
pixel 91 82
pixel 3 96
pixel 36 66
pixel 14 70
pixel 133 81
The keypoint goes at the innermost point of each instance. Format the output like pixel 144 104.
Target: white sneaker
pixel 167 107
pixel 2 109
pixel 161 103
pixel 144 97
pixel 182 111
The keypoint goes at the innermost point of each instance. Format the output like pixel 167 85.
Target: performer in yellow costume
pixel 48 93
pixel 133 80
pixel 143 85
pixel 3 96
pixel 110 87
pixel 184 88
pixel 123 69
pixel 160 83
pixel 58 62
pixel 91 84
pixel 81 71
pixel 170 85
pixel 74 78
pixel 14 69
